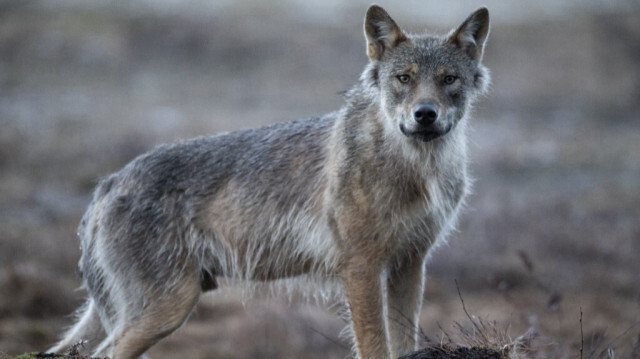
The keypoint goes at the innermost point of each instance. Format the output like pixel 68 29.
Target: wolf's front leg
pixel 404 298
pixel 363 287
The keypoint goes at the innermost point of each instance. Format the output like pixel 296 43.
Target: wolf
pixel 359 196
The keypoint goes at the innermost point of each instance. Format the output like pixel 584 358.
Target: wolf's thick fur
pixel 359 195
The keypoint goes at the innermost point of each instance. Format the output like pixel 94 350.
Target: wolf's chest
pixel 431 217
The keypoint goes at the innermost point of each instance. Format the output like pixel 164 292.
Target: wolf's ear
pixel 472 34
pixel 381 31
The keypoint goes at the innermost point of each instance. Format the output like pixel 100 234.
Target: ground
pixel 547 244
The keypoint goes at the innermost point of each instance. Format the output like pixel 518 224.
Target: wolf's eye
pixel 449 79
pixel 404 78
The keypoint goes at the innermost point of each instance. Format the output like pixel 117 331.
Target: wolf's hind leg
pixel 88 328
pixel 163 313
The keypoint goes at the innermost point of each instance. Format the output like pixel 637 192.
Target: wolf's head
pixel 426 84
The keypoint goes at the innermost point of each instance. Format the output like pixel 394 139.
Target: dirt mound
pixel 457 353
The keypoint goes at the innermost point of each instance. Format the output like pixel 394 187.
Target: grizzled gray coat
pixel 359 195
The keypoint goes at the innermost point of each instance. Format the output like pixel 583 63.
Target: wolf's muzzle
pixel 426 126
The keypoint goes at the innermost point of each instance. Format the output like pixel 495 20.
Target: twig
pixel 469 315
pixel 581 335
pixel 409 324
pixel 332 340
pixel 610 344
pixel 445 334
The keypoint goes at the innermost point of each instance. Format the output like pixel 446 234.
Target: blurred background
pixel 550 235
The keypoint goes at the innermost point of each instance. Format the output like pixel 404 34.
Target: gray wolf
pixel 358 196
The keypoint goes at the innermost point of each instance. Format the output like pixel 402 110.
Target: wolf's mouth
pixel 426 134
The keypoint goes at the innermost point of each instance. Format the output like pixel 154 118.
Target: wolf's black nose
pixel 425 114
